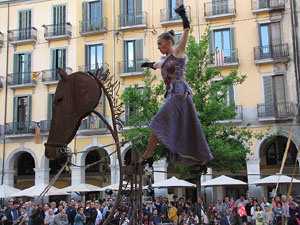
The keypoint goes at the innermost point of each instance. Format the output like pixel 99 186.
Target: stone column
pixel 207 192
pixel 78 175
pixel 41 176
pixel 253 171
pixel 160 166
pixel 9 177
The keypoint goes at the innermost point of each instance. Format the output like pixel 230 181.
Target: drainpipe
pixel 295 48
pixel 6 90
pixel 198 23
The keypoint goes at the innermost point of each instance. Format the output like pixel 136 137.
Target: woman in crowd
pixel 49 217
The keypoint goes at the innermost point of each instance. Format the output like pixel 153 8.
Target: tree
pixel 229 144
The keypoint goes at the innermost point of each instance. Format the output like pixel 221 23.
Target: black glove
pixel 148 64
pixel 181 12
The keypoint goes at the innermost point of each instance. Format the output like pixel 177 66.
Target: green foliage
pixel 228 143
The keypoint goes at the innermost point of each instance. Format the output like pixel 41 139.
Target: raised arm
pixel 180 49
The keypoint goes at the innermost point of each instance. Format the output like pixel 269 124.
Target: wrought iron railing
pixel 22 35
pixel 92 123
pixel 221 7
pixel 21 78
pixel 277 110
pixel 17 128
pixel 102 67
pixel 52 74
pixel 228 56
pixel 126 20
pixel 57 30
pixel 130 66
pixel 268 4
pixel 169 15
pixel 45 126
pixel 280 51
pixel 93 25
pixel 1 39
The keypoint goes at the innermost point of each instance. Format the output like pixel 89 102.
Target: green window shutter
pixel 139 53
pixel 85 16
pixel 122 7
pixel 53 56
pixel 269 96
pixel 49 106
pixel 231 94
pixel 15 110
pixel 27 71
pixel 87 56
pixel 16 68
pixel 63 58
pixel 29 109
pixel 138 4
pixel 233 45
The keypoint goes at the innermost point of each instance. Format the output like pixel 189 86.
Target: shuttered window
pixel 22 111
pixel 171 5
pixel 92 16
pixel 270 39
pixel 24 25
pixel 133 55
pixel 22 68
pixel 59 20
pixel 131 12
pixel 220 7
pixel 94 57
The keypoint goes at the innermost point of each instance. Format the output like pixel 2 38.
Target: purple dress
pixel 176 124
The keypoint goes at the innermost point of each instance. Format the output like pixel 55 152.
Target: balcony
pixel 102 67
pixel 45 126
pixel 133 21
pixel 229 57
pixel 130 68
pixel 271 53
pixel 22 36
pixel 1 39
pixel 92 125
pixel 259 6
pixel 20 128
pixel 276 111
pixel 51 76
pixel 20 80
pixel 58 31
pixel 219 9
pixel 170 17
pixel 93 26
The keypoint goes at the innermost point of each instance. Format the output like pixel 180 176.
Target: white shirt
pixel 99 217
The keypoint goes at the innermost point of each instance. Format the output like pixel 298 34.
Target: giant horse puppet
pixel 76 96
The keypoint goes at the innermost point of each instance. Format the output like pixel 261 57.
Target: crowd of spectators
pixel 280 210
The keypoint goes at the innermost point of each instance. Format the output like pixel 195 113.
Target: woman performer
pixel 176 124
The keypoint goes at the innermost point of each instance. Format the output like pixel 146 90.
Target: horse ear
pixel 63 75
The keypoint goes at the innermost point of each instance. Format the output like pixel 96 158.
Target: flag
pixel 35 75
pixel 219 58
pixel 37 136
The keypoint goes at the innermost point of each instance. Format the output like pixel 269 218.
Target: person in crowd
pixel 278 213
pixel 253 212
pixel 80 218
pixel 226 204
pixel 12 214
pixel 258 215
pixel 193 219
pixel 155 218
pixel 49 217
pixel 46 208
pixel 199 208
pixel 180 206
pixel 211 211
pixel 92 212
pixel 59 209
pixel 219 207
pixel 158 205
pixel 73 213
pixel 172 214
pixel 60 219
pixel 109 205
pixel 182 218
pixel 145 220
pixel 37 216
pixel 248 207
pixel 264 202
pixel 53 206
pixel 70 208
pixel 268 216
pixel 99 214
pixel 228 218
pixel 164 206
pixel 294 214
pixel 241 200
pixel 232 204
pixel 241 214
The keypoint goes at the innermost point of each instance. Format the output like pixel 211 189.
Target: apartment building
pixel 258 36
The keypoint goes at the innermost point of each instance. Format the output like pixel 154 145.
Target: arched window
pixel 94 156
pixel 55 165
pixel 25 164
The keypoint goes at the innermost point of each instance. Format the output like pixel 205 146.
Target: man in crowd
pixel 60 218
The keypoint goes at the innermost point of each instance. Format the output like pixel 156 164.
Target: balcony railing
pixel 45 126
pixel 1 39
pixel 22 36
pixel 91 124
pixel 52 76
pixel 93 26
pixel 58 31
pixel 102 67
pixel 169 16
pixel 267 5
pixel 271 52
pixel 218 9
pixel 132 21
pixel 20 79
pixel 131 66
pixel 229 56
pixel 277 110
pixel 18 128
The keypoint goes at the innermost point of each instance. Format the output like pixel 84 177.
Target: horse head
pixel 75 96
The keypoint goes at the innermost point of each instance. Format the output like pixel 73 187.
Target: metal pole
pixel 6 90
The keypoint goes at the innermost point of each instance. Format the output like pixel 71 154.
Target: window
pixel 58 61
pixel 224 40
pixel 133 55
pixel 177 37
pixel 171 5
pixel 220 7
pixel 229 96
pixel 274 95
pixel 59 20
pixel 22 111
pixel 131 12
pixel 22 68
pixel 132 109
pixel 270 39
pixel 94 57
pixel 91 16
pixel 24 25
